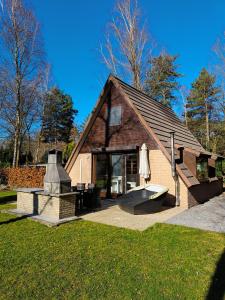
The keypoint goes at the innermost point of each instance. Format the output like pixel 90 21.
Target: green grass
pixel 6 197
pixel 84 260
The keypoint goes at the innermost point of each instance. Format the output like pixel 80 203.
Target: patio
pixel 111 214
pixel 207 216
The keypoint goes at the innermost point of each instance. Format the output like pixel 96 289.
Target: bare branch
pixel 125 43
pixel 21 71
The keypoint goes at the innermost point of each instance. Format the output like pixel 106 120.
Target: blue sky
pixel 73 30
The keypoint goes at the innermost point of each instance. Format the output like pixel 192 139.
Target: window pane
pixel 202 168
pixel 219 168
pixel 117 165
pixel 115 116
pixel 131 171
pixel 117 174
pixel 101 171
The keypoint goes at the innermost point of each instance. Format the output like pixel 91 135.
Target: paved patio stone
pixel 113 215
pixel 207 216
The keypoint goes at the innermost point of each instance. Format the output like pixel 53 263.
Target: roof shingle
pixel 161 119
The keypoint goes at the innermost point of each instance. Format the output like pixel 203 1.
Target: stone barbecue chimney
pixel 56 180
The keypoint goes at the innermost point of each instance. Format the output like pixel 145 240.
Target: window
pixel 131 171
pixel 101 171
pixel 202 168
pixel 219 168
pixel 115 116
pixel 223 166
pixel 132 164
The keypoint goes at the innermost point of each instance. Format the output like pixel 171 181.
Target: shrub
pixel 23 177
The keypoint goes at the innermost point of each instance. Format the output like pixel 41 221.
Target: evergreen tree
pixel 217 136
pixel 201 103
pixel 6 153
pixel 83 124
pixel 161 79
pixel 67 151
pixel 58 117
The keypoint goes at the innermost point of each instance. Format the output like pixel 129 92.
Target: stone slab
pixel 42 192
pixel 53 222
pixel 207 216
pixel 29 190
pixel 42 219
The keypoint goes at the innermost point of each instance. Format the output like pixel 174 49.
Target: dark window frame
pixel 202 168
pixel 112 116
pixel 219 168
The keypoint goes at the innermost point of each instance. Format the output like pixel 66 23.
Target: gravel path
pixel 207 216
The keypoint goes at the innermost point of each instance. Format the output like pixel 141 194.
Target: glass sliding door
pixel 117 173
pixel 101 171
pixel 131 171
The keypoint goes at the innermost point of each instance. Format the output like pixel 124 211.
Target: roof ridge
pixel 141 92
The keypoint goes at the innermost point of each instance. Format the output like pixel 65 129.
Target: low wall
pixel 27 177
pixel 50 206
pixel 25 202
pixel 203 192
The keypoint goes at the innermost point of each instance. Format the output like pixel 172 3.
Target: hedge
pixel 23 177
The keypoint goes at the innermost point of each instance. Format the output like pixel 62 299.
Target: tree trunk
pixel 185 115
pixel 207 126
pixel 28 149
pixel 16 142
pixel 136 77
pixel 36 159
pixel 19 151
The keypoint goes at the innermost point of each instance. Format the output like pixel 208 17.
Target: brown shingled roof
pixel 161 119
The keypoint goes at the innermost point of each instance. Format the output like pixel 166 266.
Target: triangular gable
pixel 130 134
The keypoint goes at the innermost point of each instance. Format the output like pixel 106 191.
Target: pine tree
pixel 83 124
pixel 201 103
pixel 58 117
pixel 161 79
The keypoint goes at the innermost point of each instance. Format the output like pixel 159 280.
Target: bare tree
pixel 219 50
pixel 46 81
pixel 125 43
pixel 21 71
pixel 184 94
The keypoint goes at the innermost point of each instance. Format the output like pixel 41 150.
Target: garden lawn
pixel 6 197
pixel 84 260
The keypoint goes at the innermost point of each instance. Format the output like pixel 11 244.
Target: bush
pixel 23 177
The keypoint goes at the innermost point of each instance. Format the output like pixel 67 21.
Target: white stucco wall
pixel 161 174
pixel 81 170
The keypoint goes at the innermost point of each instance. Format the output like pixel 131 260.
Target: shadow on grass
pixel 14 220
pixel 217 286
pixel 7 199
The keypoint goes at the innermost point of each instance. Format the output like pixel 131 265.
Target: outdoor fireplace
pixel 56 180
pixel 56 201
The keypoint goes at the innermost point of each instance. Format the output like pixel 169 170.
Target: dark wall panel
pixel 129 132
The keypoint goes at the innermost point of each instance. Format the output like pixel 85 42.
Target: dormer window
pixel 115 116
pixel 219 167
pixel 202 168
